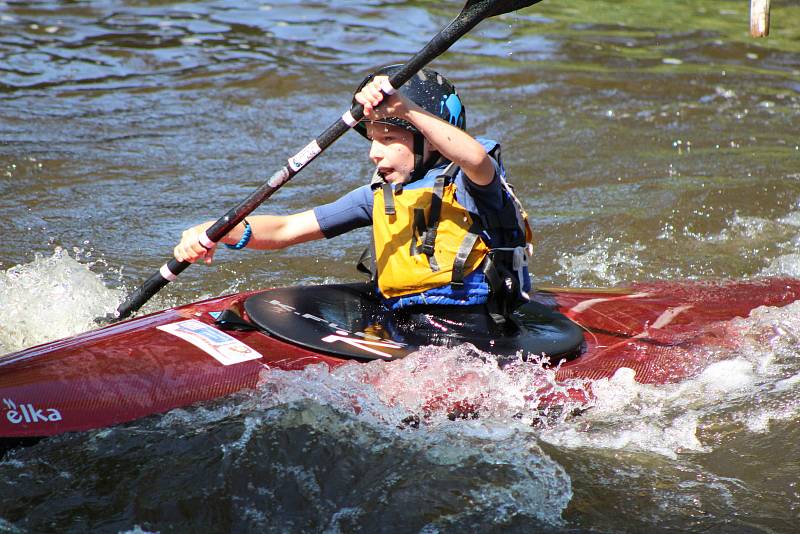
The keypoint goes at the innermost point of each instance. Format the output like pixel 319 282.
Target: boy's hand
pixel 377 106
pixel 190 249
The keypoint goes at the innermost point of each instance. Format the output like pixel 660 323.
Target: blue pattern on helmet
pixel 454 108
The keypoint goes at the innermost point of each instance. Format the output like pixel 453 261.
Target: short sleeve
pixel 481 198
pixel 353 210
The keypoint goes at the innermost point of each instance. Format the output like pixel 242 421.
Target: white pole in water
pixel 759 18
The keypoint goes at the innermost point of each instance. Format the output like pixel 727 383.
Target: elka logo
pixel 26 413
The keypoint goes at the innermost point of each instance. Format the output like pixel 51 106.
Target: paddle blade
pixel 498 7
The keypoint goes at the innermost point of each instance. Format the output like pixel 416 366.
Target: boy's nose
pixel 376 151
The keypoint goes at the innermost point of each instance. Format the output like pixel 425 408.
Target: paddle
pixel 473 12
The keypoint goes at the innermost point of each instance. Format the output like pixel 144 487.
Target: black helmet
pixel 432 92
pixel 428 89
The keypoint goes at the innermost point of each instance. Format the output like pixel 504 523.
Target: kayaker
pixel 447 228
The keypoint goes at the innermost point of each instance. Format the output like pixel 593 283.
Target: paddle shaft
pixel 473 13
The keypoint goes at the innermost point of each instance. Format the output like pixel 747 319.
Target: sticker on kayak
pixel 224 348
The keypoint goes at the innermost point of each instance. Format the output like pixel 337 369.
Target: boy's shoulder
pixel 490 145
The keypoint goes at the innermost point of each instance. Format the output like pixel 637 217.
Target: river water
pixel 649 140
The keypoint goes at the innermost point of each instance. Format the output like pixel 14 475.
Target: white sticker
pixel 299 160
pixel 278 180
pixel 224 348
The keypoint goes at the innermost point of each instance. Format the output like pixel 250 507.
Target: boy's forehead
pixel 374 127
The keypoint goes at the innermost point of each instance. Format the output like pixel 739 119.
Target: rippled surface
pixel 649 140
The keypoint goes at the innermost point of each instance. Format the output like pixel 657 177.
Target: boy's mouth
pixel 390 175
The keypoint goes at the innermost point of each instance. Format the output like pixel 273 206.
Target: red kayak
pixel 205 350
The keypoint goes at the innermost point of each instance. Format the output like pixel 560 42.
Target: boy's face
pixel 392 151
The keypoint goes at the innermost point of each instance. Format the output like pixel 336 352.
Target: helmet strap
pixel 420 167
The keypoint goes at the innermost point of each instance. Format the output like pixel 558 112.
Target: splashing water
pixel 606 263
pixel 50 298
pixel 476 417
pixel 333 450
pixel 752 383
pixel 435 385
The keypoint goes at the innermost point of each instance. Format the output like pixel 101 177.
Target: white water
pixel 745 241
pixel 50 298
pixel 61 295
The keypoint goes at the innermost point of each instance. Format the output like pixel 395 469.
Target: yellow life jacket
pixel 423 237
pixel 428 248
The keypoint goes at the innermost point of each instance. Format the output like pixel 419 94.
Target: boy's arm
pixel 453 143
pixel 270 232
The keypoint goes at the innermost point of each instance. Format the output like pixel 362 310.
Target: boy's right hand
pixel 190 249
pixel 377 106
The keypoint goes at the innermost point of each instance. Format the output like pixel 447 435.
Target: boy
pixel 447 229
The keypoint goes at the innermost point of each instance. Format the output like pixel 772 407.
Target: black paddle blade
pixel 499 6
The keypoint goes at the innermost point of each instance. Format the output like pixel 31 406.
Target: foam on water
pixel 60 296
pixel 6 526
pixel 605 263
pixel 50 298
pixel 753 384
pixel 786 265
pixel 750 246
pixel 471 412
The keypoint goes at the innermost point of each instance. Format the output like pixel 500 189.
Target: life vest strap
pixel 435 214
pixel 366 262
pixel 420 232
pixel 467 244
pixel 503 268
pixel 426 231
pixel 388 199
pixel 447 176
pixel 500 305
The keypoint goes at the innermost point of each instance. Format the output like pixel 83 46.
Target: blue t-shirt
pixel 354 210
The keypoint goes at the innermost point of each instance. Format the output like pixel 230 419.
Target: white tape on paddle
pixel 279 178
pixel 301 159
pixel 166 274
pixel 206 242
pixel 387 88
pixel 348 119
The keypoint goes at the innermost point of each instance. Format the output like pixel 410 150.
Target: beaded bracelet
pixel 248 233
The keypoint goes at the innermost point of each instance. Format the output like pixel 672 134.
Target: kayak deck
pixel 348 320
pixel 178 356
